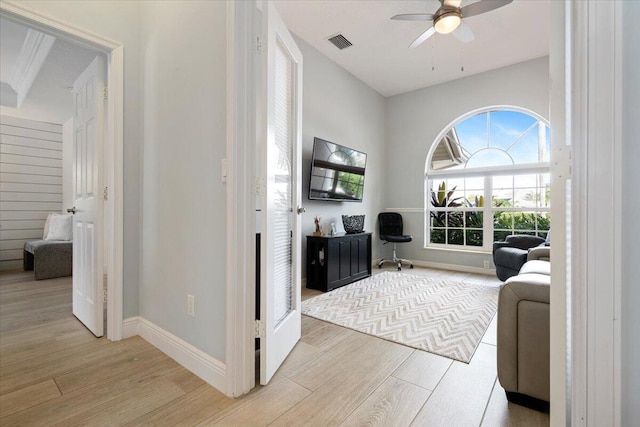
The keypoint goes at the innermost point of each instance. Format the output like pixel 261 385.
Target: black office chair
pixel 390 227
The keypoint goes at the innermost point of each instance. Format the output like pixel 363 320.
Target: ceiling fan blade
pixel 452 3
pixel 464 33
pixel 482 7
pixel 413 17
pixel 423 37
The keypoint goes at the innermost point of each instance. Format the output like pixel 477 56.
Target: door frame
pixel 113 157
pixel 242 62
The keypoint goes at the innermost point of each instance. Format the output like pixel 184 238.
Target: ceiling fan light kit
pixel 447 22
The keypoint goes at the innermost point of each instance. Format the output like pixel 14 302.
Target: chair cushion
pixel 397 239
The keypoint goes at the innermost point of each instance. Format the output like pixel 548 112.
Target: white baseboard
pixel 130 327
pixel 206 367
pixel 452 267
pixel 456 267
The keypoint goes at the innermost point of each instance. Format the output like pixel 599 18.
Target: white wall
pixel 340 108
pixel 414 120
pixel 631 209
pixel 183 229
pixel 120 21
pixel 30 183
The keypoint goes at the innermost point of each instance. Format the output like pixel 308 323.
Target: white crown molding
pixel 8 96
pixel 34 52
pixel 206 367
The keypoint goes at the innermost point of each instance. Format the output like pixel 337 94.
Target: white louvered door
pixel 88 200
pixel 281 142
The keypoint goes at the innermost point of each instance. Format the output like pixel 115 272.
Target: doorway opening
pixel 106 236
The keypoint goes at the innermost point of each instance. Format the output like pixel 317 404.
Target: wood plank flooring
pixel 55 372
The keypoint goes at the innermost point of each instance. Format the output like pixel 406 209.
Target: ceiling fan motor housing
pixel 447 19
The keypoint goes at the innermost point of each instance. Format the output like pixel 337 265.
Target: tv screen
pixel 337 172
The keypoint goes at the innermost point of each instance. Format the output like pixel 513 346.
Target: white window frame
pixel 487 173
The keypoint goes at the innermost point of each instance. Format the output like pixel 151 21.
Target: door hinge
pixel 105 193
pixel 258 45
pixel 105 293
pixel 258 186
pixel 260 329
pixel 561 163
pixel 105 92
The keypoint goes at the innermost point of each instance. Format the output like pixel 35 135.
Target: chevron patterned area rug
pixel 439 316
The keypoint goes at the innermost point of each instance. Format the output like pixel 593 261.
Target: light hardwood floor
pixel 54 372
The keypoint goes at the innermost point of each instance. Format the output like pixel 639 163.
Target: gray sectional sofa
pixel 523 332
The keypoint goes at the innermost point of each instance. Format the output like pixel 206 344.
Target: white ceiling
pixel 380 56
pixel 49 99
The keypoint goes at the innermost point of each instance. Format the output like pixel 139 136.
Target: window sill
pixel 465 251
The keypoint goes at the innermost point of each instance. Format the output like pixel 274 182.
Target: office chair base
pixel 396 260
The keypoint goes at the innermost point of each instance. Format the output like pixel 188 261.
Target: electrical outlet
pixel 487 264
pixel 190 305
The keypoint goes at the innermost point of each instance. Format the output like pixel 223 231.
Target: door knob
pixel 72 210
pixel 301 210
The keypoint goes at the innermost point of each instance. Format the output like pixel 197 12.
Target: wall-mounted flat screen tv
pixel 337 172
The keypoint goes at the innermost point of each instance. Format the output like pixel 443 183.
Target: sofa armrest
pixel 532 289
pixel 542 253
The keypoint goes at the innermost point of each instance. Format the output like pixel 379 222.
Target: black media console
pixel 337 261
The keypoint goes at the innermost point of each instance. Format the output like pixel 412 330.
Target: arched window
pixel 487 176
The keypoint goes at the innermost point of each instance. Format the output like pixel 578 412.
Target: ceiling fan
pixel 448 18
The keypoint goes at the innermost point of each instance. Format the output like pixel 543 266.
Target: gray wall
pixel 342 109
pixel 184 200
pixel 630 208
pixel 119 21
pixel 414 120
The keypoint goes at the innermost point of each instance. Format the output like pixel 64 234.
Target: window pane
pixel 544 221
pixel 437 218
pixel 502 220
pixel 438 236
pixel 502 199
pixel 489 157
pixel 524 181
pixel 500 182
pixel 507 126
pixel 474 183
pixel 455 219
pixel 472 133
pixel 455 236
pixel 526 198
pixel 474 238
pixel 474 219
pixel 524 221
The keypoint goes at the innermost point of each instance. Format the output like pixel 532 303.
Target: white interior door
pixel 88 120
pixel 281 157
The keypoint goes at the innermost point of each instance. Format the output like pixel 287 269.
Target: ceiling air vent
pixel 340 41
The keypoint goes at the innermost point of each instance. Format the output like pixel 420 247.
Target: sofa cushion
pixel 537 267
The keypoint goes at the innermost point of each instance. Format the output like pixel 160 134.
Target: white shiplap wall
pixel 30 183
